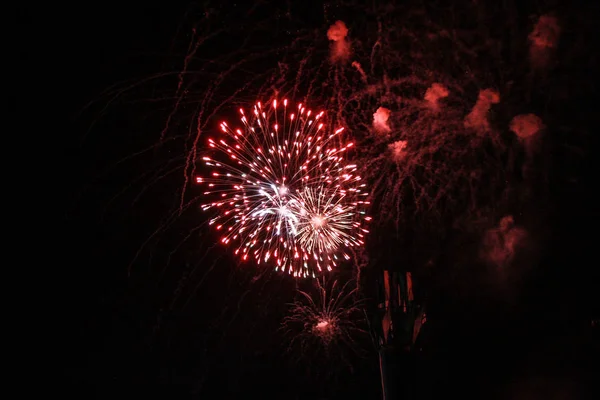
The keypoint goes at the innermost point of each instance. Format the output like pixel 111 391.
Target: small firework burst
pixel 331 318
pixel 284 192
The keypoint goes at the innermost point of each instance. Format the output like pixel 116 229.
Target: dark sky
pixel 138 331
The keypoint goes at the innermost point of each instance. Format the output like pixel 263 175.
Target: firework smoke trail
pixel 428 145
pixel 285 193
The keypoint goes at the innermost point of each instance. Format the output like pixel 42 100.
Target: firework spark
pixel 283 190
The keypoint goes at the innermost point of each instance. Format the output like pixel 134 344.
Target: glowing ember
pixel 340 49
pixel 380 120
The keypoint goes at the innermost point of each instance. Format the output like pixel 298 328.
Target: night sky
pixel 184 321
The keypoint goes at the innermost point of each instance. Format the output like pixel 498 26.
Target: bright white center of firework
pixel 322 325
pixel 284 211
pixel 317 221
pixel 282 190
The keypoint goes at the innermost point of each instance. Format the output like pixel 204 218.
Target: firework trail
pixel 283 191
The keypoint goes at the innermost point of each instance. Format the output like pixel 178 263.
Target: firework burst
pixel 331 317
pixel 283 192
